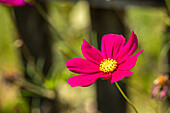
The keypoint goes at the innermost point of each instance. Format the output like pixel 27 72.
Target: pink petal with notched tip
pixel 130 62
pixel 80 65
pixel 111 44
pixel 122 59
pixel 118 75
pixel 91 53
pixel 83 80
pixel 128 49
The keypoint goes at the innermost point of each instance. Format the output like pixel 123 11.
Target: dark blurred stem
pixel 45 16
pixel 123 94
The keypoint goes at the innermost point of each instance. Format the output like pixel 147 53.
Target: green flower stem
pixel 123 94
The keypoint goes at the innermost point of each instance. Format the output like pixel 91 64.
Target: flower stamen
pixel 108 65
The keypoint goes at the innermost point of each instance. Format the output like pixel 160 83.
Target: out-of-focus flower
pixel 15 2
pixel 113 62
pixel 160 87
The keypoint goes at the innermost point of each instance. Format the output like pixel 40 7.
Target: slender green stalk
pixel 123 94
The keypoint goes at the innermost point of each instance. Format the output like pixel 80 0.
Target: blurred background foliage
pixel 72 20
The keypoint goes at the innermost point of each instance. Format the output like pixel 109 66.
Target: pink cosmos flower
pixel 15 2
pixel 160 87
pixel 113 62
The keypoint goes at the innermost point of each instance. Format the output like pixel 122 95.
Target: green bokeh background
pixel 73 22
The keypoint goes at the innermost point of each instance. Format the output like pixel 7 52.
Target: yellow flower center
pixel 108 65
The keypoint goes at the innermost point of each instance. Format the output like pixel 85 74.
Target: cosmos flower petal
pixel 113 62
pixel 130 62
pixel 111 44
pixel 80 65
pixel 155 90
pixel 83 80
pixel 118 75
pixel 15 2
pixel 91 53
pixel 105 75
pixel 163 92
pixel 128 49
